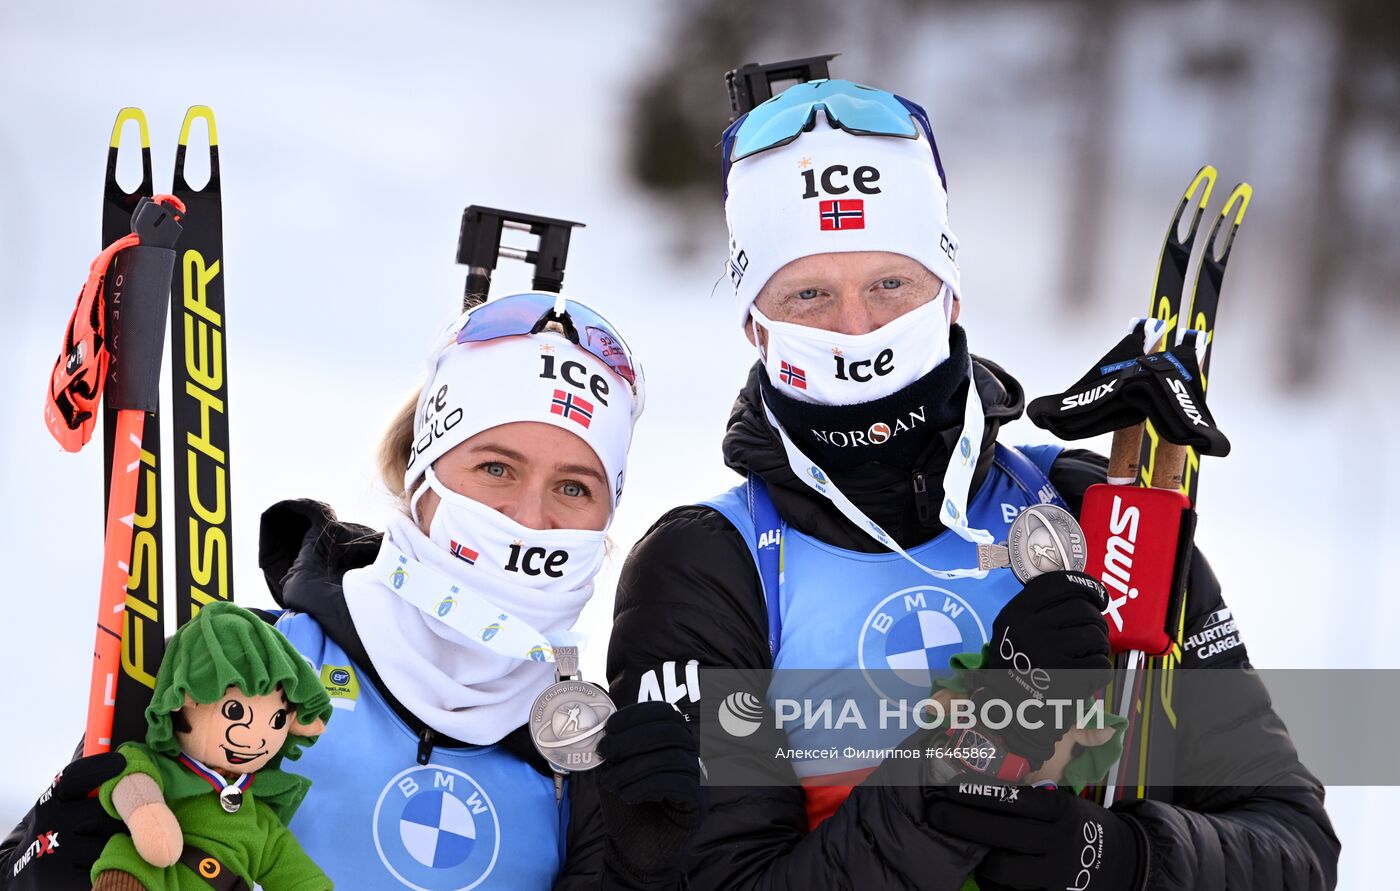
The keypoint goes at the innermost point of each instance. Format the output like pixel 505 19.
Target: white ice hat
pixel 829 191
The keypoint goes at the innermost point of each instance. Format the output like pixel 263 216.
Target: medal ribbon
pixel 473 616
pixel 957 486
pixel 213 777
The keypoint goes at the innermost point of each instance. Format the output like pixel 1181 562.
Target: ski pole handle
pixel 1168 465
pixel 1124 456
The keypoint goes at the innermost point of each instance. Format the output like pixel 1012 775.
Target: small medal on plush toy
pixel 567 719
pixel 231 799
pixel 230 793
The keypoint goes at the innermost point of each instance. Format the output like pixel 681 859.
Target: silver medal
pixel 566 721
pixel 1044 538
pixel 231 799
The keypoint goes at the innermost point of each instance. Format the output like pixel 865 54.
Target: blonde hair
pixel 393 451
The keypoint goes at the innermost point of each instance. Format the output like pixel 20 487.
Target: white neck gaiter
pixel 830 368
pixel 461 623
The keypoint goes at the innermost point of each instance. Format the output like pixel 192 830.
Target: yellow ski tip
pixel 1243 192
pixel 130 114
pixel 1240 196
pixel 195 113
pixel 1206 174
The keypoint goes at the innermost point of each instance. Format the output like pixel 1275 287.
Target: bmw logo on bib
pixel 436 830
pixel 909 637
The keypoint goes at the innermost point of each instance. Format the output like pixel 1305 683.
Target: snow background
pixel 352 135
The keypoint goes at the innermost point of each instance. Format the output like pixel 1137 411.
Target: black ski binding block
pixel 752 84
pixel 479 247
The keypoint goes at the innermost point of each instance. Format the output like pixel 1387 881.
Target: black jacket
pixel 689 590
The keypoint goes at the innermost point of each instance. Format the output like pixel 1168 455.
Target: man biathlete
pixel 867 439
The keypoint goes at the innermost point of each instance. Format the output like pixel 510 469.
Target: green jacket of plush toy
pixel 254 842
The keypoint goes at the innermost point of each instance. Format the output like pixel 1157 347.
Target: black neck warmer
pixel 894 431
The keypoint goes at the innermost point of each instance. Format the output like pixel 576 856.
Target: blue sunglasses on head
pixel 529 313
pixel 857 109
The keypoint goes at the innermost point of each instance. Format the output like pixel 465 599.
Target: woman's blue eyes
pixel 571 488
pixel 807 294
pixel 890 284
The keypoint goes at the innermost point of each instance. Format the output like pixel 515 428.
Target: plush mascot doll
pixel 203 797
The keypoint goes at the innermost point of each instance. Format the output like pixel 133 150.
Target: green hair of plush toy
pixel 227 646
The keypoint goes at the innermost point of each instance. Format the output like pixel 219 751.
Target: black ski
pixel 1210 275
pixel 143 640
pixel 199 389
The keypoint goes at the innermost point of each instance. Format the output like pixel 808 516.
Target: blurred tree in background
pixel 1231 69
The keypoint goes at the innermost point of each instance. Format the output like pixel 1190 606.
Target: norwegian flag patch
pixel 843 213
pixel 465 554
pixel 578 410
pixel 792 376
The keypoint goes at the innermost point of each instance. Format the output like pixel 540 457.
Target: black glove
pixel 1042 838
pixel 1049 642
pixel 1176 400
pixel 1126 387
pixel 65 832
pixel 649 790
pixel 1102 400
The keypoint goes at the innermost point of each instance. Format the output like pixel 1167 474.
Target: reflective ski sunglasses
pixel 529 313
pixel 857 109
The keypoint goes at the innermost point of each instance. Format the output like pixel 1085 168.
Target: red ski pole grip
pixel 1137 549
